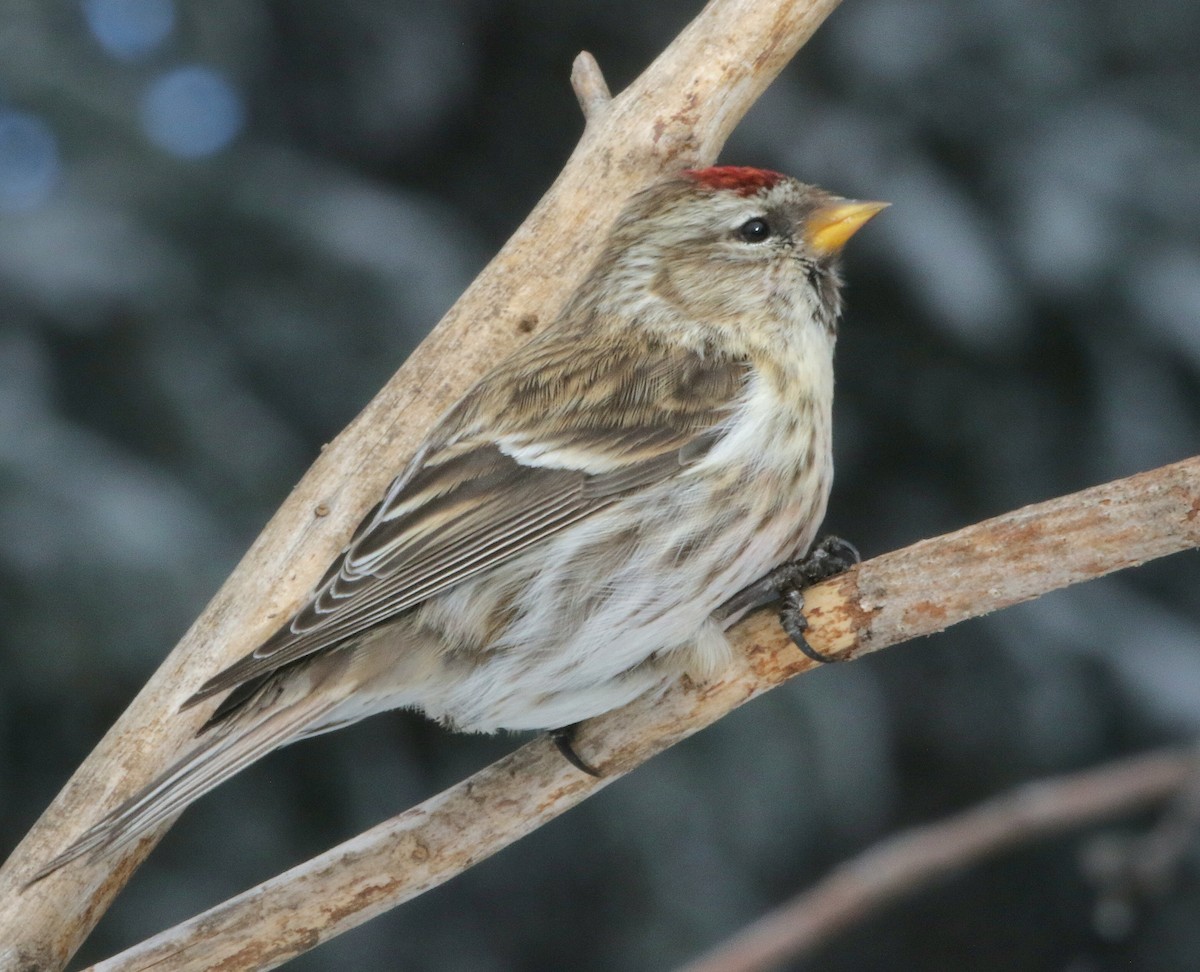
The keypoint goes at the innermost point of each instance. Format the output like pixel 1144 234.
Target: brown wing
pixel 546 439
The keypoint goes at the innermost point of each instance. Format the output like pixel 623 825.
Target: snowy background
pixel 223 225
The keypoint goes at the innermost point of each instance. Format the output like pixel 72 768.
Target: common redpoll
pixel 564 538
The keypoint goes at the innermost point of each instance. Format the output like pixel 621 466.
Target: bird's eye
pixel 754 230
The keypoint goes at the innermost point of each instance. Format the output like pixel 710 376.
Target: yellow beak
pixel 828 229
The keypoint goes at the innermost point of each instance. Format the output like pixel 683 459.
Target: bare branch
pixel 1155 860
pixel 911 861
pixel 1126 870
pixel 589 85
pixel 911 592
pixel 677 114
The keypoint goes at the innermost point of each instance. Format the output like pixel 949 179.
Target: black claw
pixel 563 739
pixel 791 617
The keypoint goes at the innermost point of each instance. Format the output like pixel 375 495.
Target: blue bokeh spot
pixel 192 112
pixel 29 161
pixel 129 28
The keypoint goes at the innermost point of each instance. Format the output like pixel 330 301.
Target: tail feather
pixel 224 750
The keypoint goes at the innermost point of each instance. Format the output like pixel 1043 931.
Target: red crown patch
pixel 742 179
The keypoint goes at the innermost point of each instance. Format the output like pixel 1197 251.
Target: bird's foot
pixel 786 583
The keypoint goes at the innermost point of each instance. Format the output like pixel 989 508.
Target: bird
pixel 586 522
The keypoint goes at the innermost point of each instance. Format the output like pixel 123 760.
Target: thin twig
pixel 677 114
pixel 1128 870
pixel 587 80
pixel 1155 858
pixel 911 592
pixel 902 865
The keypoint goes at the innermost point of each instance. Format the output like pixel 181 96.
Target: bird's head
pixel 731 241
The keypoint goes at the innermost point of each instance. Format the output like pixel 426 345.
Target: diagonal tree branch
pixel 916 591
pixel 677 114
pixel 913 860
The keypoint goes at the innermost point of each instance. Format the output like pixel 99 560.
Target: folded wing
pixel 544 441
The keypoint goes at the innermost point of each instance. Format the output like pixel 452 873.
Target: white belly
pixel 616 604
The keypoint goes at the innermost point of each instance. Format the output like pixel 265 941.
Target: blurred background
pixel 223 225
